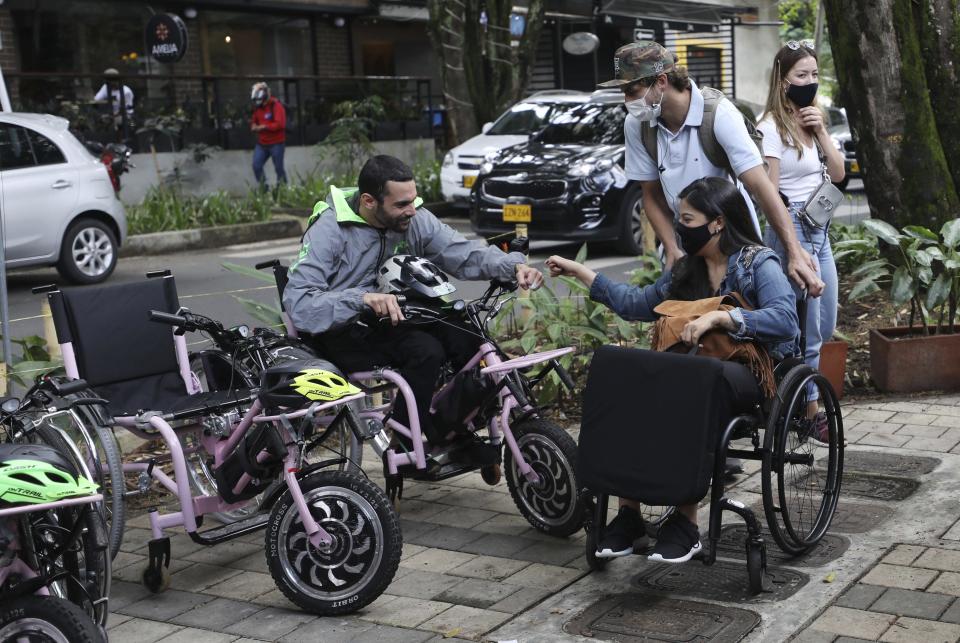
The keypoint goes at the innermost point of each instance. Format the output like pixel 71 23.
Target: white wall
pixel 754 49
pixel 232 171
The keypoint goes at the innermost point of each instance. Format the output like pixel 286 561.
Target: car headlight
pixel 582 169
pixel 448 159
pixel 486 167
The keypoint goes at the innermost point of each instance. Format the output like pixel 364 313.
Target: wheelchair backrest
pixel 124 356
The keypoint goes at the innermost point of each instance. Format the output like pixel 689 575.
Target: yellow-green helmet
pixel 297 383
pixel 36 474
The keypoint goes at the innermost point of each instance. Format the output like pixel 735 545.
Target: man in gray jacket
pixel 334 281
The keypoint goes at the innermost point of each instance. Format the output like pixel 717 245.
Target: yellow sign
pixel 516 213
pixel 469 180
pixel 855 166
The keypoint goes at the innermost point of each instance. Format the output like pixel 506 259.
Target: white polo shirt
pixel 682 160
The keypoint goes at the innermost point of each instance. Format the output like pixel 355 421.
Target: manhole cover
pixel 722 581
pixel 633 618
pixel 905 466
pixel 878 487
pixel 733 537
pixel 856 517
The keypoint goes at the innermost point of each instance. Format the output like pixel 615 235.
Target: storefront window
pixel 251 44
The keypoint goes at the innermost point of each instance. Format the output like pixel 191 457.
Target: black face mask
pixel 802 95
pixel 693 239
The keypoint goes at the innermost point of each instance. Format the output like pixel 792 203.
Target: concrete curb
pixel 155 243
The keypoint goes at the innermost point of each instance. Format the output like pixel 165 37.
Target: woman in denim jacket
pixel 723 255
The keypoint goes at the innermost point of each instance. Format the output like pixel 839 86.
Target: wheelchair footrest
pixel 231 531
pixel 444 472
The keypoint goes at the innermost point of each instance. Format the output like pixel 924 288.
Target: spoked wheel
pixel 96 447
pixel 553 505
pixel 802 470
pixel 360 562
pixel 46 619
pixel 654 516
pixel 71 540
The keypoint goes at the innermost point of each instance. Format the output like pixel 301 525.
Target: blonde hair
pixel 778 105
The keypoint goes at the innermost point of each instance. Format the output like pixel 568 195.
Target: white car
pixel 462 164
pixel 59 205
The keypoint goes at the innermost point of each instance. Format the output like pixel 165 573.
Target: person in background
pixel 269 123
pixel 120 97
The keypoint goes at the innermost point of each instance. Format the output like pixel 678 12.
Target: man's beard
pixel 396 225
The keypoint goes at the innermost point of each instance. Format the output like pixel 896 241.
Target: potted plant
pixel 833 361
pixel 921 269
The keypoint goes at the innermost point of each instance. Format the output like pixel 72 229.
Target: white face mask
pixel 642 111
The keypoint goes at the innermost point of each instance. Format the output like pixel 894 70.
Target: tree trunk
pixel 479 65
pixel 891 109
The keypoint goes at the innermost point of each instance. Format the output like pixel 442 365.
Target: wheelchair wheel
pixel 553 506
pixel 96 446
pixel 801 475
pixel 363 558
pixel 654 516
pixel 45 618
pixel 596 564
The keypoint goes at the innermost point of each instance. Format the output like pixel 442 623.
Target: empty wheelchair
pixel 657 428
pixel 333 542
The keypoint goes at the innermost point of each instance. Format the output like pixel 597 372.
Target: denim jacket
pixel 754 272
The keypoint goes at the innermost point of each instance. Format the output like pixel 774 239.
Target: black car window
pixel 45 150
pixel 589 124
pixel 522 118
pixel 15 151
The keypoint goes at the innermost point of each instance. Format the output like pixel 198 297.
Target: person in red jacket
pixel 269 122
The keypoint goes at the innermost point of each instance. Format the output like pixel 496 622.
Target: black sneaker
pixel 620 534
pixel 677 542
pixel 473 450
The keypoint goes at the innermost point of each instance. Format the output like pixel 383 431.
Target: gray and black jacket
pixel 341 253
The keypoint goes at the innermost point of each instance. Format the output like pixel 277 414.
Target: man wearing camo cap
pixel 658 93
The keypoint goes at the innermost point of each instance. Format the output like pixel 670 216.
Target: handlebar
pixel 267 264
pixel 179 321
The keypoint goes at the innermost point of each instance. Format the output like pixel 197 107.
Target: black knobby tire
pixel 91 240
pixel 555 505
pixel 363 559
pixel 46 618
pixel 106 467
pixel 799 500
pixel 630 223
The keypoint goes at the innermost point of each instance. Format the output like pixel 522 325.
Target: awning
pixel 698 12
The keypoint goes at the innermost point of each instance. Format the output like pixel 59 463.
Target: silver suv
pixel 59 207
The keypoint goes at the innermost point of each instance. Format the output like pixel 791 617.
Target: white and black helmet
pixel 409 275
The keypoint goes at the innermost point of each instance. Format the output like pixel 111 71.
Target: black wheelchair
pixel 687 401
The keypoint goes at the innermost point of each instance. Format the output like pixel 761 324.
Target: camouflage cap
pixel 639 60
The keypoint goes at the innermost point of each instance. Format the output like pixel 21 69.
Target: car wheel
pixel 88 253
pixel 632 216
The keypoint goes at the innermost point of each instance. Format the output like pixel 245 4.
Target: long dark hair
pixel 713 197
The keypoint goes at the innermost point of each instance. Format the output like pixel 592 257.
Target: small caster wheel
pixel 157 580
pixel 491 474
pixel 596 564
pixel 755 567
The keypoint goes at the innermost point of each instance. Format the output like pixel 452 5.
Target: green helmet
pixel 36 473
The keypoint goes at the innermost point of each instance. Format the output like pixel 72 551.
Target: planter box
pixel 903 360
pixel 833 364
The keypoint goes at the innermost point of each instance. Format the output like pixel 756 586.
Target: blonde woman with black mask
pixel 795 139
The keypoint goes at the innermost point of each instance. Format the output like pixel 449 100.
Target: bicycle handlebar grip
pixel 516 392
pixel 67 388
pixel 167 318
pixel 563 375
pixel 266 264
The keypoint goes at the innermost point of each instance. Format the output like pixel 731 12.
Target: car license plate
pixel 516 213
pixel 854 166
pixel 469 180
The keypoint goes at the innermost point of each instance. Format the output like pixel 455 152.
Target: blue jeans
pixel 260 155
pixel 821 311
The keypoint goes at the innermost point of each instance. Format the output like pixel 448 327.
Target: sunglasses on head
pixel 793 45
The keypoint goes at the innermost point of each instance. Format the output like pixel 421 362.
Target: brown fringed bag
pixel 675 314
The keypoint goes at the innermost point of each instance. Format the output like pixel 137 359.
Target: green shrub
pixel 165 209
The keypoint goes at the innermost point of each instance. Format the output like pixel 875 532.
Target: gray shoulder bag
pixel 819 208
